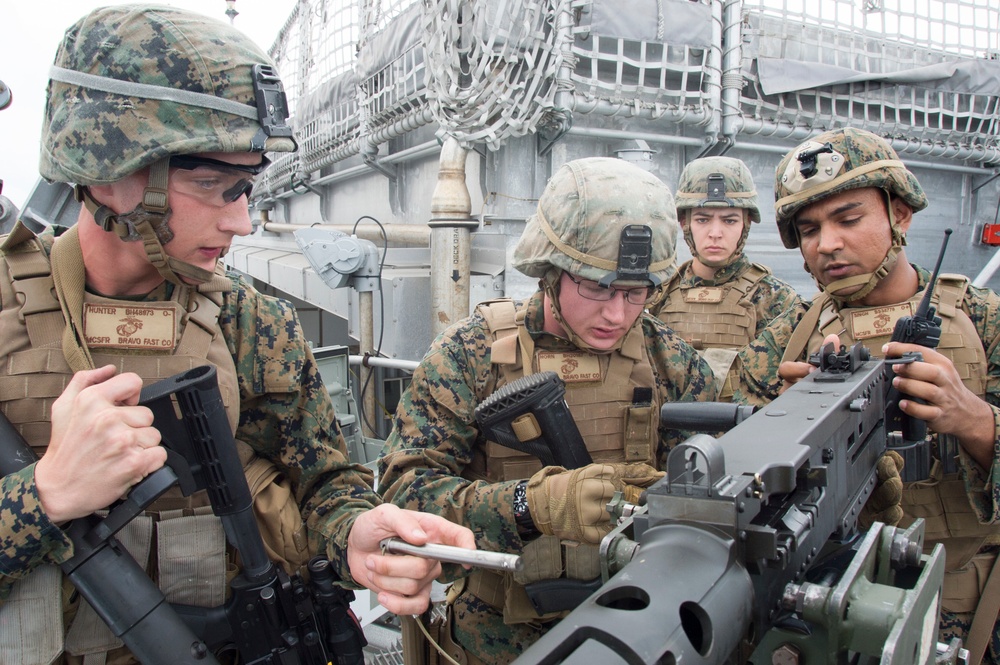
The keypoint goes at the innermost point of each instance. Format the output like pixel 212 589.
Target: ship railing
pixel 362 73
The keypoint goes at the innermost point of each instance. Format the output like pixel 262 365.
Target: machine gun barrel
pixel 739 519
pixel 703 416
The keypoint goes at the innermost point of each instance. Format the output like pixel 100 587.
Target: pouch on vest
pixel 277 514
pixel 191 557
pixel 721 361
pixel 544 560
pixel 31 622
pixel 964 587
pixel 948 516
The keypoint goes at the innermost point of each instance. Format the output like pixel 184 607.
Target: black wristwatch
pixel 522 514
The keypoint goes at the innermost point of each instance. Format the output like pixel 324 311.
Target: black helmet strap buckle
pixel 808 160
pixel 635 251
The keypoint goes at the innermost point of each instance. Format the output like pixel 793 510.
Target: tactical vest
pixel 181 533
pixel 615 405
pixel 940 500
pixel 716 320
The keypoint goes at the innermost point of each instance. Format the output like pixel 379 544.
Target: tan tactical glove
pixel 571 504
pixel 884 503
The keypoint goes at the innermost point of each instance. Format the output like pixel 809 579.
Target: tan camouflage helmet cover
pixel 195 93
pixel 586 204
pixel 834 162
pixel 717 182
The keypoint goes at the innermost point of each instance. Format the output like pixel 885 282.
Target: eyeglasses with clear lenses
pixel 214 181
pixel 637 295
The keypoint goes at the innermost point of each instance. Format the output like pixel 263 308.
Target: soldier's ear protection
pixel 635 250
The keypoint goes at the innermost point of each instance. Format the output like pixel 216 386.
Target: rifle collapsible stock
pixel 113 583
pixel 270 618
pixel 531 415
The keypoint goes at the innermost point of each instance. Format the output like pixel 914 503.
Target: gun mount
pixel 751 542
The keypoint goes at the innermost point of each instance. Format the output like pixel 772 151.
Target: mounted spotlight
pixel 339 259
pixel 5 96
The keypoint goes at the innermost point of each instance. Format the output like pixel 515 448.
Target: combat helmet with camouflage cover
pixel 600 219
pixel 134 85
pixel 717 182
pixel 838 161
pixel 585 208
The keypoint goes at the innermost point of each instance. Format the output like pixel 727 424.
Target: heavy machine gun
pixel 270 618
pixel 748 550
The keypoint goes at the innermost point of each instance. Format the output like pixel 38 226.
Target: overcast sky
pixel 31 34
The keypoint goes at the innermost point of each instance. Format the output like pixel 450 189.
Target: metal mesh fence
pixel 901 68
pixel 646 75
pixel 965 28
pixel 361 72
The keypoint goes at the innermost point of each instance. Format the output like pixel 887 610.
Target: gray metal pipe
pixel 712 78
pixel 451 244
pixel 378 361
pixel 622 135
pixel 732 67
pixel 421 151
pixel 409 234
pixel 987 155
pixel 986 274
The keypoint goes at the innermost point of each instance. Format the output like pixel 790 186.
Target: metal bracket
pixel 560 121
pixel 388 170
pixel 716 146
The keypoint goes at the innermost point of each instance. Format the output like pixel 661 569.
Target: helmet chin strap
pixel 148 222
pixel 550 285
pixel 869 280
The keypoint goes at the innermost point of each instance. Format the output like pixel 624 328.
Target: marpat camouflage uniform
pixel 757 383
pixel 435 435
pixel 713 327
pixel 286 416
pixel 771 297
pixel 131 88
pixel 718 316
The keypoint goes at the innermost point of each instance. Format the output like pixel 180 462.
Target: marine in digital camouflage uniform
pixel 718 301
pixel 846 201
pixel 151 114
pixel 619 364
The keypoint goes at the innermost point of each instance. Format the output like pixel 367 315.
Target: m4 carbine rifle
pixel 728 561
pixel 270 618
